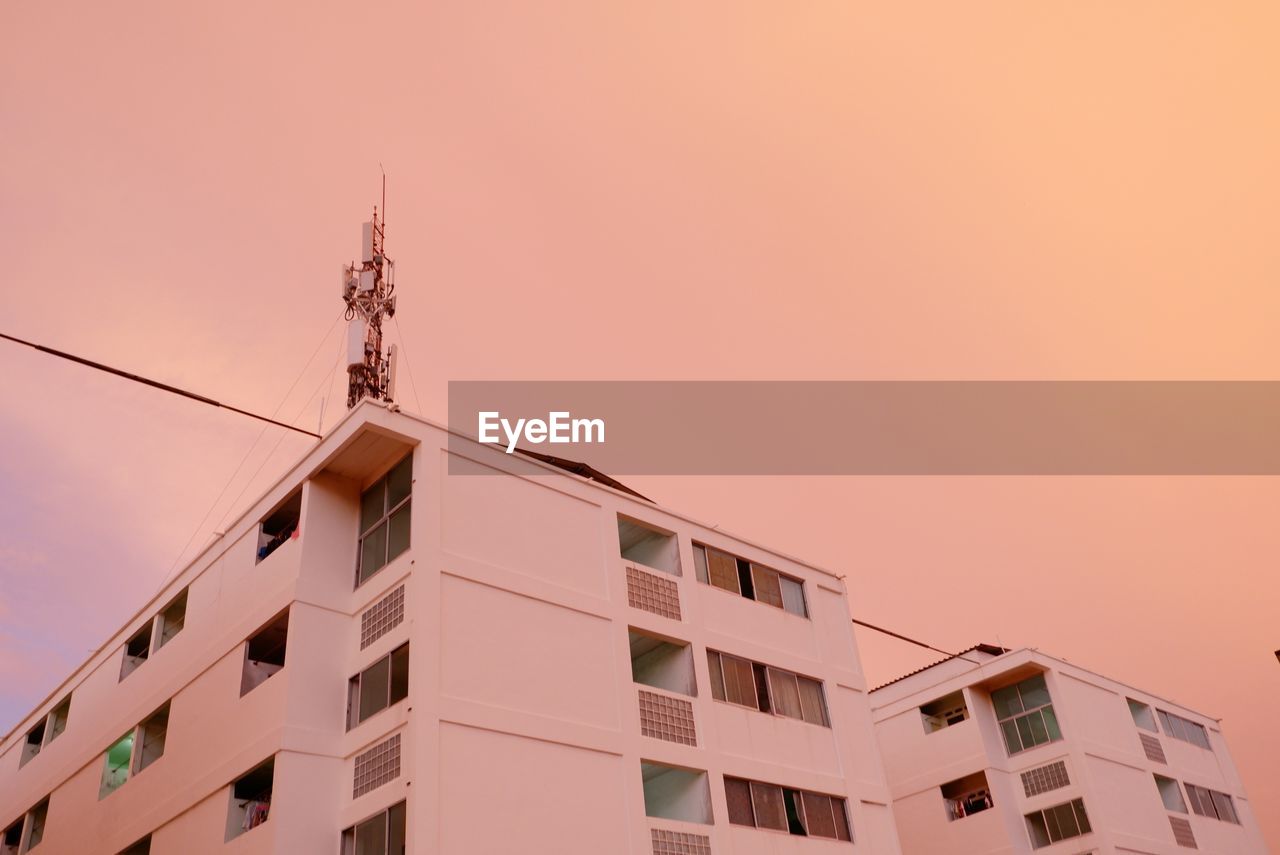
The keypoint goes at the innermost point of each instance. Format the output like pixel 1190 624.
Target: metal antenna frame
pixel 368 289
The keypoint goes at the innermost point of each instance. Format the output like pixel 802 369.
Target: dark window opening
pixel 142 847
pixel 12 839
pixel 745 585
pixel 264 653
pixel 382 684
pixel 966 796
pixel 795 824
pixel 380 834
pixel 944 712
pixel 33 744
pixel 280 525
pixel 136 650
pixel 251 799
pixel 384 520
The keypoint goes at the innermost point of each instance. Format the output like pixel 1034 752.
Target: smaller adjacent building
pixel 994 751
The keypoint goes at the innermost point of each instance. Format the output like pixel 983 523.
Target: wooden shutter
pixel 723 569
pixel 739 681
pixel 737 794
pixel 717 675
pixel 819 821
pixel 767 801
pixel 768 589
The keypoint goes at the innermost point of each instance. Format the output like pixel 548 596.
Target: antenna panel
pixel 357 334
pixel 366 242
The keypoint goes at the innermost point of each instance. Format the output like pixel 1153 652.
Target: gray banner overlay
pixel 884 428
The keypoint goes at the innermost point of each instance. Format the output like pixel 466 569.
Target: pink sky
pixel 653 191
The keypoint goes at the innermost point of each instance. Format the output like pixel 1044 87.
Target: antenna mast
pixel 368 289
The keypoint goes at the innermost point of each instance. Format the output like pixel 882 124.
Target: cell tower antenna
pixel 368 289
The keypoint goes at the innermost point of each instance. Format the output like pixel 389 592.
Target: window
pixel 35 822
pixel 250 799
pixel 1212 804
pixel 171 619
pixel 134 751
pixel 149 741
pixel 280 525
pixel 1142 716
pixel 1184 729
pixel 136 650
pixel 377 687
pixel 142 847
pixel 944 712
pixel 47 730
pixel 380 834
pixel 800 812
pixel 384 519
pixel 1026 714
pixel 34 742
pixel 57 721
pixel 671 792
pixel 115 769
pixel 649 546
pixel 1059 822
pixel 767 689
pixel 966 796
pixel 1170 794
pixel 753 581
pixel 264 653
pixel 662 664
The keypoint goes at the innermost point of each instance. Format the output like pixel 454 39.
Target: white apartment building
pixel 404 647
pixel 995 751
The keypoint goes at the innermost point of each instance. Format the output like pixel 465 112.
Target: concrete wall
pixel 521 729
pixel 1101 748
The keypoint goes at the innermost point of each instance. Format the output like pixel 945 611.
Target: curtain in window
pixel 811 702
pixel 786 695
pixel 739 681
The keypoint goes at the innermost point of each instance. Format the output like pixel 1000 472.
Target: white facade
pixel 554 695
pixel 1014 752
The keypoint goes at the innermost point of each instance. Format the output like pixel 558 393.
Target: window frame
pixel 720 690
pixel 746 578
pixel 349 834
pixel 384 519
pixel 1026 714
pixel 355 687
pixel 787 809
pixel 1049 823
pixel 1180 727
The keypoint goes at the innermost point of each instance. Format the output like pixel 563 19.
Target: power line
pixel 910 640
pixel 155 383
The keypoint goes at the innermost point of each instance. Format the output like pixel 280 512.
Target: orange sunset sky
pixel 657 190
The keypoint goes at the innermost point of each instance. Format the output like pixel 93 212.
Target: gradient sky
pixel 657 191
